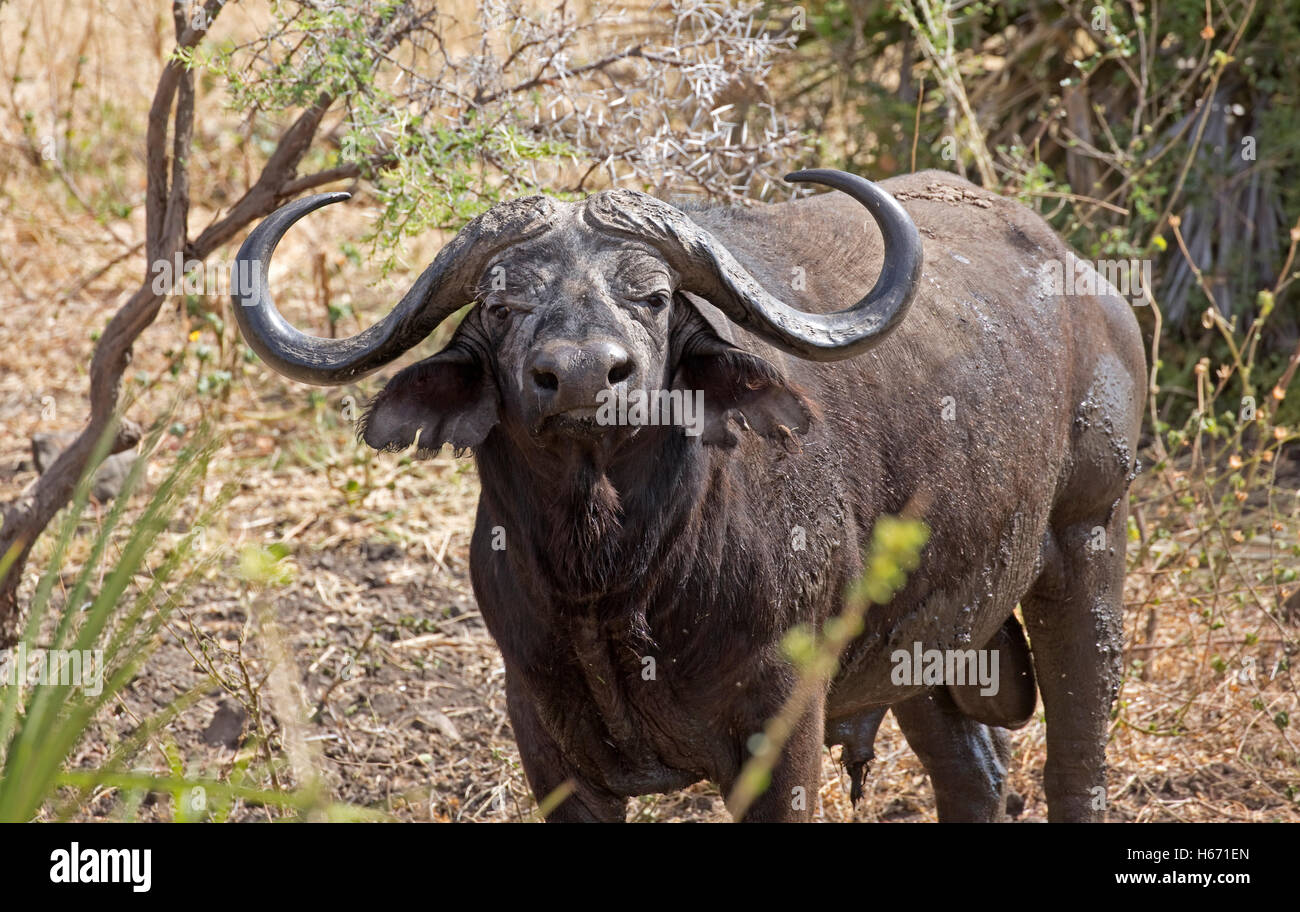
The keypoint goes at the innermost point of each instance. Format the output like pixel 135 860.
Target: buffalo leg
pixel 794 791
pixel 1074 619
pixel 548 772
pixel 966 760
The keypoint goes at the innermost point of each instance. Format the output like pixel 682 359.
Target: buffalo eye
pixel 498 312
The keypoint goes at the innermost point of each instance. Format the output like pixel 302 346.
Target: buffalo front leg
pixel 1074 619
pixel 966 760
pixel 792 794
pixel 551 776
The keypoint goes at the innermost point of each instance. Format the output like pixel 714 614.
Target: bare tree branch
pixel 167 207
pixel 671 102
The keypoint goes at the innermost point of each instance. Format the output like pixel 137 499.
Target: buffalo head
pixel 578 306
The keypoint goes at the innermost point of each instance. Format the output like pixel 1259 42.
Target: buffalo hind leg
pixel 1074 618
pixel 966 760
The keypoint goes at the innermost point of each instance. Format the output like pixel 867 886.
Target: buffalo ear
pixel 736 383
pixel 444 399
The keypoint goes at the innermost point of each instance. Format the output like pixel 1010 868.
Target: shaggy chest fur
pixel 645 626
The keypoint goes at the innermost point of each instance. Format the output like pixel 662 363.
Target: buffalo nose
pixel 573 374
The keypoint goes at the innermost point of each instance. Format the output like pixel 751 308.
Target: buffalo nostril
pixel 546 380
pixel 620 372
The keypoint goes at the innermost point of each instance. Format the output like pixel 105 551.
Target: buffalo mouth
pixel 587 424
pixel 580 423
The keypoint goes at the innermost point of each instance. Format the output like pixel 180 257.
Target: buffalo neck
pixel 585 534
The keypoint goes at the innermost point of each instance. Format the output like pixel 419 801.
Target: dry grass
pixel 400 690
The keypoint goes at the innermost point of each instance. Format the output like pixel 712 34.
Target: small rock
pixel 47 447
pixel 1290 609
pixel 109 477
pixel 441 723
pixel 1015 805
pixel 381 551
pixel 227 725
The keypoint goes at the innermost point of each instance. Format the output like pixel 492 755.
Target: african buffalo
pixel 967 390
